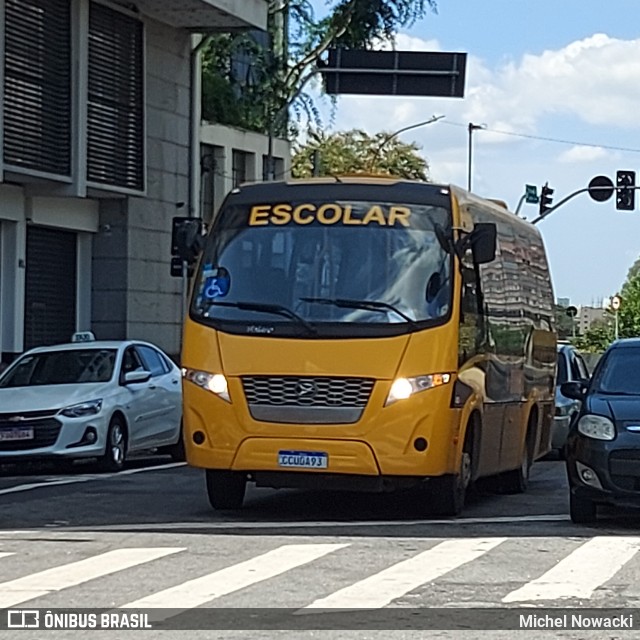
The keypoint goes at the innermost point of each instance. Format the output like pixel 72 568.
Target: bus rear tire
pixel 517 481
pixel 225 489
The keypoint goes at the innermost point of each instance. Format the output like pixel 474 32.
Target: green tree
pixel 254 82
pixel 634 269
pixel 356 152
pixel 597 338
pixel 629 313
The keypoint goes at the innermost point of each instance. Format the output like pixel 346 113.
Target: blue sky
pixel 567 70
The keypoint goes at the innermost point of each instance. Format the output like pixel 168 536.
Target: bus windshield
pixel 338 268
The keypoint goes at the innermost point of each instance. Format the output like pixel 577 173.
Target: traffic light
pixel 545 198
pixel 625 193
pixel 186 244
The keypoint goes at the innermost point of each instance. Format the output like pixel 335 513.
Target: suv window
pixel 152 360
pixel 576 372
pixel 562 369
pixel 584 371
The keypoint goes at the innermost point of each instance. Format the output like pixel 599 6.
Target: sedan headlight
pixel 83 409
pixel 214 382
pixel 403 388
pixel 597 427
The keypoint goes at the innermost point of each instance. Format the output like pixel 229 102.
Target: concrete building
pixel 232 156
pixel 100 137
pixel 588 315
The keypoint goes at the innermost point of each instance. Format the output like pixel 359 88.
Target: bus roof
pixel 275 189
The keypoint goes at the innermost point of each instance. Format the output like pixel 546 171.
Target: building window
pixel 278 168
pixel 50 286
pixel 115 129
pixel 239 167
pixel 37 94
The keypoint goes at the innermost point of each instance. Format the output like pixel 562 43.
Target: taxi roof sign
pixel 83 336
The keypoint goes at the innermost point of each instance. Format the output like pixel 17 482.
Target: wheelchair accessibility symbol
pixel 217 286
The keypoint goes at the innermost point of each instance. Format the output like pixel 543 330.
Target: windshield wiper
pixel 261 307
pixel 370 305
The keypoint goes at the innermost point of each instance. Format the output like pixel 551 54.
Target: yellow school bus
pixel 368 333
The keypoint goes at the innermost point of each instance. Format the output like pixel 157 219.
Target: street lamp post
pixel 389 137
pixel 615 305
pixel 471 128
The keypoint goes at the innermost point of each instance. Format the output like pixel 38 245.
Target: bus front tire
pixel 448 493
pixel 225 488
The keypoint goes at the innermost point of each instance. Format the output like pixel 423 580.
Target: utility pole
pixel 471 128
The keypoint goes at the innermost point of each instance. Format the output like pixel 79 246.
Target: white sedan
pixel 91 399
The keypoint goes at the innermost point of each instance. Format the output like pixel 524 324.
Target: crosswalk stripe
pixel 581 572
pixel 381 588
pixel 4 554
pixel 238 576
pixel 39 584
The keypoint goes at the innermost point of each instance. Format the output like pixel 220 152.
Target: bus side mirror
pixel 483 242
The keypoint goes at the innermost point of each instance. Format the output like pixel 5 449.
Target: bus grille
pixel 307 400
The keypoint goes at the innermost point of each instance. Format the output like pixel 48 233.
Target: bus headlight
pixel 403 388
pixel 214 382
pixel 597 427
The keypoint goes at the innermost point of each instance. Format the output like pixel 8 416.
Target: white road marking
pixel 85 478
pixel 581 572
pixel 4 554
pixel 198 591
pixel 329 524
pixel 40 584
pixel 381 588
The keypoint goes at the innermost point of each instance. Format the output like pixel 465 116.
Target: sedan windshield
pixel 620 372
pixel 61 367
pixel 340 267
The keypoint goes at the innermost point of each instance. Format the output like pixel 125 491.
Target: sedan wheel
pixel 582 510
pixel 177 451
pixel 116 448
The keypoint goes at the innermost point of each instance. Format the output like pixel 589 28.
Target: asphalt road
pixel 155 494
pixel 146 539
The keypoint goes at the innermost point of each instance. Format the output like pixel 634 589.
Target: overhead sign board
pixel 398 73
pixel 531 194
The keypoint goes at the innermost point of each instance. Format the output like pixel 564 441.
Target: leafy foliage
pixel 596 339
pixel 629 313
pixel 357 152
pixel 252 81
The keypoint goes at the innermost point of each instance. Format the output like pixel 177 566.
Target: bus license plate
pixel 9 435
pixel 303 459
